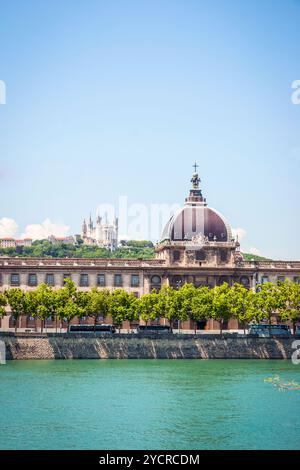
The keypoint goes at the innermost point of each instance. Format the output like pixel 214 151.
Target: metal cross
pixel 195 166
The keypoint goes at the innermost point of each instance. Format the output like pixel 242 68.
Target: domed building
pixel 196 247
pixel 199 239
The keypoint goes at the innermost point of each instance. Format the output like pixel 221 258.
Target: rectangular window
pixel 15 279
pixel 32 279
pixel 101 280
pixel 176 255
pixel 118 280
pixel 50 279
pixel 84 280
pixel 281 278
pixel 135 280
pixel 66 276
pixel 264 279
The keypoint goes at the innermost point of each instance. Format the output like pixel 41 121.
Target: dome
pixel 191 221
pixel 196 218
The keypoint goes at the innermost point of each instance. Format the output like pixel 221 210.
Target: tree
pixel 182 300
pixel 268 300
pixel 17 302
pixel 148 307
pixel 3 303
pixel 241 303
pixel 290 306
pixel 166 304
pixel 67 302
pixel 122 307
pixel 221 308
pixel 41 303
pixel 201 305
pixel 98 304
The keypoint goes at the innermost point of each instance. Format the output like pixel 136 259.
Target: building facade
pixel 196 247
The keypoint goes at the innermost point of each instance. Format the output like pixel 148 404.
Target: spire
pixel 91 226
pixel 195 195
pixel 84 228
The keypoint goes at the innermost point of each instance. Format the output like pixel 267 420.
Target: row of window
pixel 32 280
pixel 265 279
pixel 200 255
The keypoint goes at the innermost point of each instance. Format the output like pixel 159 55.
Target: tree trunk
pixel 221 327
pixel 195 327
pixel 55 324
pixel 16 324
pixel 294 328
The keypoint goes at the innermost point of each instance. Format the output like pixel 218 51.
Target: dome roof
pixel 196 218
pixel 191 221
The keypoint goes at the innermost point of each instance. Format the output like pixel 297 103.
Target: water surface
pixel 148 404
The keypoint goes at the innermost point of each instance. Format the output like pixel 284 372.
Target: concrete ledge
pixel 150 346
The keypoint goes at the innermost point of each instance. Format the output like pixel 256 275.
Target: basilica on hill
pixel 196 246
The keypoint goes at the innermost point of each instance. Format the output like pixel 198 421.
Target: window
pixel 223 256
pixel 176 255
pixel 200 255
pixel 32 279
pixel 50 279
pixel 280 278
pixel 118 280
pixel 244 280
pixel 84 280
pixel 264 279
pixel 15 279
pixel 156 280
pixel 66 276
pixel 101 280
pixel 177 281
pixel 135 280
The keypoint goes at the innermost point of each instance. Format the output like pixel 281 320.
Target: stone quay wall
pixel 133 346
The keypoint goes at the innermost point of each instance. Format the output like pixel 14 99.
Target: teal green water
pixel 151 404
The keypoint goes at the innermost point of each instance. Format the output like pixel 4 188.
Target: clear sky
pixel 113 97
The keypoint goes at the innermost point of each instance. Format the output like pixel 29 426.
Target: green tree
pixel 221 306
pixel 268 301
pixel 17 302
pixel 148 307
pixel 122 307
pixel 183 299
pixel 241 303
pixel 290 306
pixel 67 302
pixel 3 303
pixel 167 304
pixel 41 303
pixel 201 305
pixel 98 304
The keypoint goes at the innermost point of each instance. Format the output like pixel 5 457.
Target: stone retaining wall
pixel 130 346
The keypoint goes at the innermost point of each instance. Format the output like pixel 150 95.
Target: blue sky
pixel 110 98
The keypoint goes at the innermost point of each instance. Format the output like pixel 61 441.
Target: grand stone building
pixel 196 247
